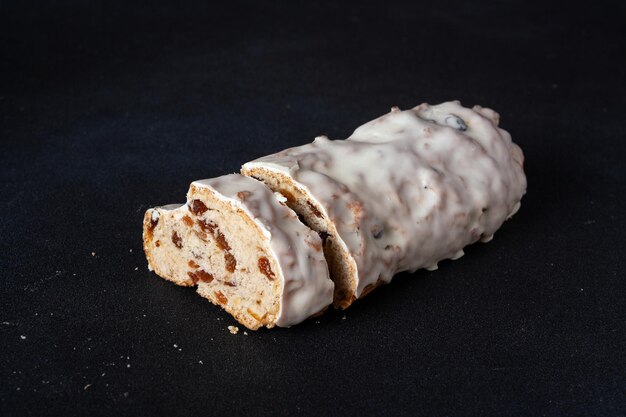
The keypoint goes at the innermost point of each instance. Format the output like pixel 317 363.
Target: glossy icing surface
pixel 411 188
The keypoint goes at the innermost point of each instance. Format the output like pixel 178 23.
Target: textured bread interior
pixel 341 265
pixel 218 247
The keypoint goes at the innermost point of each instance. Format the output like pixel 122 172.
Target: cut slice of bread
pixel 342 266
pixel 244 249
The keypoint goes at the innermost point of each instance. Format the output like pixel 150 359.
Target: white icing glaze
pixel 411 188
pixel 306 286
pixel 170 207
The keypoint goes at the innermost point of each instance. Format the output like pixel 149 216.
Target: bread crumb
pixel 245 333
pixel 175 345
pixel 86 386
pixel 23 337
pixel 233 329
pixel 343 318
pixel 136 268
pixel 201 363
pixel 93 253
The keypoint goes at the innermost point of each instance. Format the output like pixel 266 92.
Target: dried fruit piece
pixel 377 231
pixel 231 262
pixel 154 220
pixel 455 122
pixel 205 276
pixel 265 268
pixel 200 275
pixel 221 298
pixel 209 226
pixel 176 240
pixel 188 221
pixel 192 264
pixel 193 277
pixel 197 207
pixel 157 243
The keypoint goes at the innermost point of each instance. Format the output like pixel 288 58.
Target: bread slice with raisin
pixel 244 249
pixel 403 192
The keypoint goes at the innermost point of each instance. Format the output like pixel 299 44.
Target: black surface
pixel 106 110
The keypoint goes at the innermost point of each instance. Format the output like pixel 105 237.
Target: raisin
pixel 200 275
pixel 231 262
pixel 178 242
pixel 204 276
pixel 221 240
pixel 377 231
pixel 314 209
pixel 221 298
pixel 230 284
pixel 187 220
pixel 192 264
pixel 265 268
pixel 153 223
pixel 193 277
pixel 197 207
pixel 207 225
pixel 157 243
pixel 456 122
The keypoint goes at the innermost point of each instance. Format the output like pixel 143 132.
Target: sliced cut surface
pixel 244 249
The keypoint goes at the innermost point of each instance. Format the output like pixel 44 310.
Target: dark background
pixel 108 109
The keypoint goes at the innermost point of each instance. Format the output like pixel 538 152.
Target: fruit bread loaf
pixel 244 249
pixel 403 192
